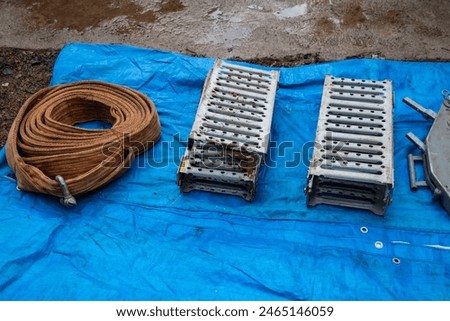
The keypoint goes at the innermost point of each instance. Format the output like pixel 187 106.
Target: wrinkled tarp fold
pixel 140 239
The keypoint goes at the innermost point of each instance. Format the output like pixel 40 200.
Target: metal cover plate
pixel 236 107
pixel 353 141
pixel 438 154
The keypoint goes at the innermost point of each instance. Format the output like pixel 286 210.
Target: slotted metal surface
pixel 352 163
pixel 236 107
pixel 230 134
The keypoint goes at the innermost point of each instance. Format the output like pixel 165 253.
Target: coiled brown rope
pixel 44 143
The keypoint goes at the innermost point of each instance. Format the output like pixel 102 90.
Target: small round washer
pixel 396 260
pixel 379 244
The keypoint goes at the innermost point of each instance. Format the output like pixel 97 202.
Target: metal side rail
pixel 435 152
pixel 352 163
pixel 230 135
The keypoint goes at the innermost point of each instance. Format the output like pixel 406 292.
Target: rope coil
pixel 44 142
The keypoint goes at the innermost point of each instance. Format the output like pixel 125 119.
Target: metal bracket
pixel 428 114
pixel 414 184
pixel 416 141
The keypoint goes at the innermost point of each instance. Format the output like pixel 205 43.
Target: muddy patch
pixel 324 26
pixel 392 17
pixel 82 14
pixel 285 61
pixel 353 16
pixel 169 6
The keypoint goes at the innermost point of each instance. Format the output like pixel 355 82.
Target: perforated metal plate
pixel 236 107
pixel 230 135
pixel 352 164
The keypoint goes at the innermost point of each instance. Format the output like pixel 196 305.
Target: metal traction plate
pixel 230 134
pixel 236 107
pixel 352 163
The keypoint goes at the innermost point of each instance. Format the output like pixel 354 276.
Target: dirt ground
pixel 274 33
pixel 22 73
pixel 249 29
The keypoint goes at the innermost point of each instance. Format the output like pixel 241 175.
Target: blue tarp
pixel 139 238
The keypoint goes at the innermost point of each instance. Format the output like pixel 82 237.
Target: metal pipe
pixel 412 172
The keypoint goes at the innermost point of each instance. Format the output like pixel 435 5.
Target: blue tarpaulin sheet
pixel 139 238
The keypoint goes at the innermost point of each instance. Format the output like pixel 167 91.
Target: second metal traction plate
pixel 352 164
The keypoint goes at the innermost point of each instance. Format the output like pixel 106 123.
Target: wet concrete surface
pixel 245 29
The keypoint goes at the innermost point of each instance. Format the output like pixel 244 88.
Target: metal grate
pixel 352 163
pixel 230 135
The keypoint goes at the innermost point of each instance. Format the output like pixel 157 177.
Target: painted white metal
pixel 352 163
pixel 230 134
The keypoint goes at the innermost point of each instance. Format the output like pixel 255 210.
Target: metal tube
pixel 412 172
